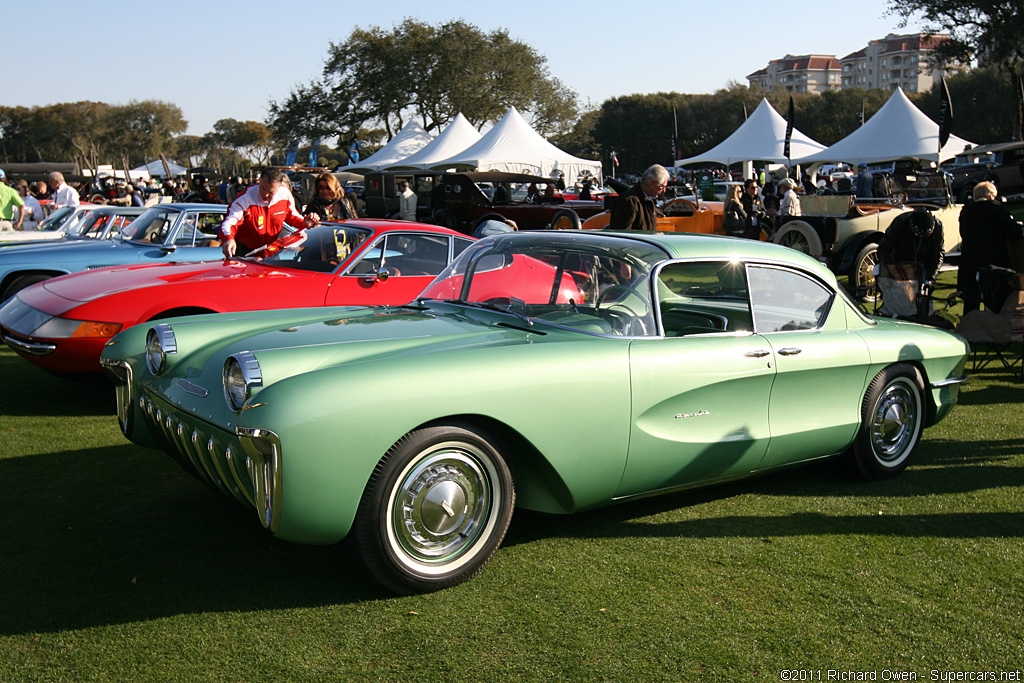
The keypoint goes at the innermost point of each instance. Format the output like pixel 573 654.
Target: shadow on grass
pixel 25 390
pixel 122 534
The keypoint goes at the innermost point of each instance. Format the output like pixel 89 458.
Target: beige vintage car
pixel 844 232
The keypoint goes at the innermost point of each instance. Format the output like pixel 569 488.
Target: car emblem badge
pixel 703 412
pixel 191 388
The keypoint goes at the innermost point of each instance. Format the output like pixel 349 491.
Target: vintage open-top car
pixel 61 324
pixel 845 232
pixel 559 371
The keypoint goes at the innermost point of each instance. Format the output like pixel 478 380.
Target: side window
pixel 369 263
pixel 416 254
pixel 461 244
pixel 703 297
pixel 198 229
pixel 784 300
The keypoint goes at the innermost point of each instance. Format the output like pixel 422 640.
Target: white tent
pixel 411 139
pixel 513 146
pixel 156 169
pixel 457 136
pixel 762 137
pixel 898 130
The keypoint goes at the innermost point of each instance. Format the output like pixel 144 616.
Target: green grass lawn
pixel 118 566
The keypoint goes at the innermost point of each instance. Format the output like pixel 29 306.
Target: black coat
pixel 901 245
pixel 633 210
pixel 986 229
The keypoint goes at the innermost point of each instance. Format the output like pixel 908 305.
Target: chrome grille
pixel 203 446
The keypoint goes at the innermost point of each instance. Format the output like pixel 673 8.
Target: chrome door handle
pixel 790 351
pixel 760 353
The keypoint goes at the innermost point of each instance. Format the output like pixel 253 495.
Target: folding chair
pixel 996 335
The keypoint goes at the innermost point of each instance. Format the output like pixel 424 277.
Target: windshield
pixel 152 226
pixel 75 222
pixel 56 219
pixel 591 283
pixel 321 249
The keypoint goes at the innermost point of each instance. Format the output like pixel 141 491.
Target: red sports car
pixel 62 324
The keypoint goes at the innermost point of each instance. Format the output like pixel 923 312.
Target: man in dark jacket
pixel 986 229
pixel 637 209
pixel 914 237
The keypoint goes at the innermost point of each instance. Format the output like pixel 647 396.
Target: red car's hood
pixel 89 285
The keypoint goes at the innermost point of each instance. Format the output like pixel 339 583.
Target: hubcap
pixel 894 427
pixel 441 505
pixel 794 240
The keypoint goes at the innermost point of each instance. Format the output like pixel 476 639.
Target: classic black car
pixel 1002 164
pixel 463 201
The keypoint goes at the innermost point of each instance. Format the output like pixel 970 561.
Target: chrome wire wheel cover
pixel 795 240
pixel 866 270
pixel 896 422
pixel 443 502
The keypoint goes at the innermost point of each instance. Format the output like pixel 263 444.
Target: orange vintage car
pixel 681 215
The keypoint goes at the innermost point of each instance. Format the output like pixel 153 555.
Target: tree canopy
pixel 90 131
pixel 381 78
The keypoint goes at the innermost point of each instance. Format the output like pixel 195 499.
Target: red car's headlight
pixel 62 328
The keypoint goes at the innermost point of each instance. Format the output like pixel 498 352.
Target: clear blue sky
pixel 228 60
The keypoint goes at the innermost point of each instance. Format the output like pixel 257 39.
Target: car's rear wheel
pixel 435 510
pixel 892 419
pixel 862 275
pixel 565 219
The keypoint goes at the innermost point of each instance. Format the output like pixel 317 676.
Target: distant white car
pixel 63 221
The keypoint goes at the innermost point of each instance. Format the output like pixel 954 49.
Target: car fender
pixel 552 405
pixel 843 260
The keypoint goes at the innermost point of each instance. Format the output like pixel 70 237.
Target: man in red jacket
pixel 256 217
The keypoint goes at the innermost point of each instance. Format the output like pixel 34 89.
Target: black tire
pixel 435 510
pixel 862 276
pixel 565 219
pixel 892 419
pixel 447 218
pixel 21 282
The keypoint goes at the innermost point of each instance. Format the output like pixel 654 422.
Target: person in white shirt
pixel 791 200
pixel 33 211
pixel 406 202
pixel 63 194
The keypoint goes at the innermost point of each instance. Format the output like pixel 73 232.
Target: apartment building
pixel 800 74
pixel 894 61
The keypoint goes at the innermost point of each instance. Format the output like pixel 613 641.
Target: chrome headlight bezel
pixel 160 343
pixel 240 375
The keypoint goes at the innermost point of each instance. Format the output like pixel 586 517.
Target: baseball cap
pixel 2 174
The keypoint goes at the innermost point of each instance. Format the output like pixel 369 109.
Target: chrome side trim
pixel 948 382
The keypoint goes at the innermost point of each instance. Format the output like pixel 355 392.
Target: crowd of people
pixel 21 201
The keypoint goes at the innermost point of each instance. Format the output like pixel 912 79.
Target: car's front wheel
pixel 892 419
pixel 435 510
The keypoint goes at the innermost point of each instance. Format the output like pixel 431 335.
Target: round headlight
pixel 241 374
pixel 159 342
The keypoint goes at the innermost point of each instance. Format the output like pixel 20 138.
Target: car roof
pixel 693 245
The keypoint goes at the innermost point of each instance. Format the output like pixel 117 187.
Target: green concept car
pixel 556 371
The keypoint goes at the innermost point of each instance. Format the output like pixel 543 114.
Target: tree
pixel 142 131
pixel 987 30
pixel 431 73
pixel 251 139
